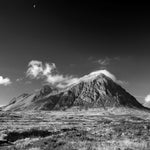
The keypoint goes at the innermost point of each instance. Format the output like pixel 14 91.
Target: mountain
pixel 91 91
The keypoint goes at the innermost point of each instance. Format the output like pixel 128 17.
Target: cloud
pixel 116 58
pixel 48 72
pixel 19 79
pixel 104 62
pixel 96 73
pixel 105 72
pixel 4 81
pixel 147 98
pixel 35 69
pixel 39 70
pixel 68 81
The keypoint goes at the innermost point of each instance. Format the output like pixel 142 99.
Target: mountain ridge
pixel 93 90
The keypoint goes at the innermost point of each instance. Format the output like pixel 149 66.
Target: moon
pixel 34 5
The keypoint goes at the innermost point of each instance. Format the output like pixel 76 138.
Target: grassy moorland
pixel 92 129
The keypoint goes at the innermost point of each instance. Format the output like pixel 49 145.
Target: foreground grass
pixel 93 129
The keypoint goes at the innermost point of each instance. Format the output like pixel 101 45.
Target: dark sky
pixel 74 36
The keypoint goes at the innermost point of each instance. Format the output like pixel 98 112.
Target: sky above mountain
pixel 72 39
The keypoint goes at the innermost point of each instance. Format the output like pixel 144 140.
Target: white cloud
pixel 38 70
pixel 19 79
pixel 49 68
pixel 104 62
pixel 4 81
pixel 55 78
pixel 68 80
pixel 105 72
pixel 147 98
pixel 35 68
pixel 48 72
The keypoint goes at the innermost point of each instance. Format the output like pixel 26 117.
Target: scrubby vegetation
pixel 75 129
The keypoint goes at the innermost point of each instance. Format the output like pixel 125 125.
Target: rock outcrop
pixel 97 91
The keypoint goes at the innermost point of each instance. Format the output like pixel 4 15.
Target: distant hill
pixel 92 91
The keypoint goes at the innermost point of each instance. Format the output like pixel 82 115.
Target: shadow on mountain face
pixel 96 92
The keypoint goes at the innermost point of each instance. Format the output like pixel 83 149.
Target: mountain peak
pixel 97 89
pixel 98 74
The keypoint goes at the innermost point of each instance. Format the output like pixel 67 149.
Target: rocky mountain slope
pixel 92 91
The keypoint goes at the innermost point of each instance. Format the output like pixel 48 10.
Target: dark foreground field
pixel 93 129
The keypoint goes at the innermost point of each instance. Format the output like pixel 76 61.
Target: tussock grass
pixel 92 129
